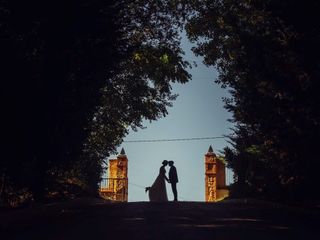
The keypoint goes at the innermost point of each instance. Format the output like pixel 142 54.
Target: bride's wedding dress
pixel 158 191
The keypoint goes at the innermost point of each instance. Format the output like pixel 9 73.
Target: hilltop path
pixel 96 219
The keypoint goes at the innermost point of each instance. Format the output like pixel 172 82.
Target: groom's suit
pixel 173 177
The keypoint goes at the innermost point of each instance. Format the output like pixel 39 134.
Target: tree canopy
pixel 267 55
pixel 77 75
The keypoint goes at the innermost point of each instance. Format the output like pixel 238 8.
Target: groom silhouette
pixel 173 178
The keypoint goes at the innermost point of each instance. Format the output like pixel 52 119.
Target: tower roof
pixel 122 152
pixel 210 150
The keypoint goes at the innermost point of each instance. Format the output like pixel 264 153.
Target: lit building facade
pixel 215 178
pixel 115 186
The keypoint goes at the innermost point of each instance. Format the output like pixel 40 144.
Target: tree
pixel 267 56
pixel 78 74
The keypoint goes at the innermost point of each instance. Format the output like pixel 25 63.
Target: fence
pixel 115 189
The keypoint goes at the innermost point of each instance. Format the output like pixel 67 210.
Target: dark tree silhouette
pixel 77 75
pixel 267 54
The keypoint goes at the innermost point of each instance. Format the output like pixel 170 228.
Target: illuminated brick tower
pixel 211 176
pixel 116 187
pixel 215 178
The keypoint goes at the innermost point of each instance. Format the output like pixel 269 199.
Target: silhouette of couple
pixel 158 191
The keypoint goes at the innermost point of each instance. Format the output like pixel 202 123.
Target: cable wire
pixel 173 139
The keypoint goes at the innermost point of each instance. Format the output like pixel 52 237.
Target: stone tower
pixel 210 176
pixel 215 178
pixel 117 181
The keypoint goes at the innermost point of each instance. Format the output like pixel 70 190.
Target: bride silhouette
pixel 158 191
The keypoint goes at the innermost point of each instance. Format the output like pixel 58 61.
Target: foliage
pixel 267 54
pixel 77 75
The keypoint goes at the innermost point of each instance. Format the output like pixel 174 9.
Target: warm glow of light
pixel 116 185
pixel 215 178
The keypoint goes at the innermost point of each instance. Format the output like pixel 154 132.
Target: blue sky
pixel 197 112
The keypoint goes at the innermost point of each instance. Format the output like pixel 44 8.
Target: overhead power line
pixel 173 139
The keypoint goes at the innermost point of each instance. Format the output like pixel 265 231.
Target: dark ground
pixel 94 219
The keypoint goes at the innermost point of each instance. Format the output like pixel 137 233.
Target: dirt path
pixel 183 220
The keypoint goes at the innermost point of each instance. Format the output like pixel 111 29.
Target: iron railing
pixel 115 189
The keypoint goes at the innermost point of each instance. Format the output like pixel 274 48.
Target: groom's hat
pixel 171 161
